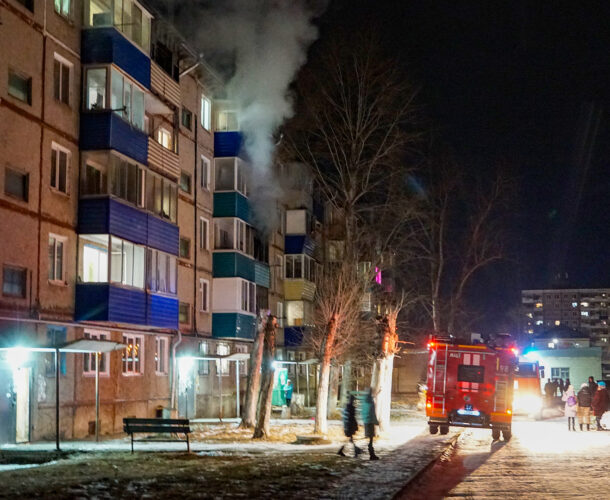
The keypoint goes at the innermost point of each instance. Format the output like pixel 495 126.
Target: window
pixel 126 263
pixel 187 118
pixel 204 295
pixel 60 163
pixel 243 365
pixel 204 365
pixel 280 314
pixel 279 272
pixel 204 230
pixel 61 78
pixel 184 313
pixel 127 181
pixel 16 184
pixel 165 138
pixel 96 89
pixel 14 281
pixel 223 349
pixel 206 113
pixel 62 7
pixel 185 248
pixel 227 121
pixel 133 355
pixel 162 272
pixel 299 267
pixel 185 182
pixel 93 255
pixel 562 372
pixel 56 258
pixel 233 234
pixel 127 100
pixel 205 173
pixel 248 296
pixel 94 180
pixel 20 86
pixel 471 373
pixel 127 16
pixel 89 357
pixel 28 4
pixel 161 196
pixel 56 335
pixel 161 355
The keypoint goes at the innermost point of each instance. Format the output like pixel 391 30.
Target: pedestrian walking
pixel 570 407
pixel 350 425
pixel 369 418
pixel 592 386
pixel 600 403
pixel 584 406
pixel 288 392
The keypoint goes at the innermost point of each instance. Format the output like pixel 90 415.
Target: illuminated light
pixel 18 357
pixel 527 403
pixel 431 345
pixel 509 412
pixel 185 364
pixel 538 305
pixel 515 351
pixel 557 322
pixel 475 413
pixel 555 341
pixel 428 405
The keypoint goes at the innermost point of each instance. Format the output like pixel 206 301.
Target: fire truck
pixel 527 393
pixel 470 385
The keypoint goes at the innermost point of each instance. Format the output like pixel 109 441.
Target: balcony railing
pixel 164 85
pixel 163 160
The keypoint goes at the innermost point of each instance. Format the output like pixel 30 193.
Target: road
pixel 542 460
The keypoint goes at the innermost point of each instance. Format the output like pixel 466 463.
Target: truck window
pixel 471 373
pixel 527 370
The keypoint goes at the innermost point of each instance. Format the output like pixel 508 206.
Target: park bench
pixel 159 426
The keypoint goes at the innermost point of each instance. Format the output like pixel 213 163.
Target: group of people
pixel 592 397
pixel 350 424
pixel 555 385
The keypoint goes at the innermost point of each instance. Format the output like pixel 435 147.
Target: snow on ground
pixel 542 460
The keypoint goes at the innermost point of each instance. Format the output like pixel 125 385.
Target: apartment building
pixel 581 309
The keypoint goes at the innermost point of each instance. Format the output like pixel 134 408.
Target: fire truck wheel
pixel 444 429
pixel 506 434
pixel 495 434
pixel 433 429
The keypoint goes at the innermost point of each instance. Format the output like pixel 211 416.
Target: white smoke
pixel 266 42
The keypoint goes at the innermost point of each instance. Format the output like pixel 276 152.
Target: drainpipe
pixel 174 367
pixel 195 243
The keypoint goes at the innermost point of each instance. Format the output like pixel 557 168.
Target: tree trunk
pixel 346 385
pixel 333 390
pixel 263 414
pixel 321 424
pixel 381 384
pixel 254 378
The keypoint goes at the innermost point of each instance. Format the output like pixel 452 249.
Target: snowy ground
pixel 542 460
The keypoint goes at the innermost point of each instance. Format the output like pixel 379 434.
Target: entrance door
pixel 8 403
pixel 22 389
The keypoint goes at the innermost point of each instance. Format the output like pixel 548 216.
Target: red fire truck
pixel 470 386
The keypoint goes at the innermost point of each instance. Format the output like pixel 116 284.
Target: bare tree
pixel 263 413
pixel 254 374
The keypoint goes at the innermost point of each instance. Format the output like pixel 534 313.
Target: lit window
pixel 60 163
pixel 584 304
pixel 529 315
pixel 127 16
pixel 205 173
pixel 584 313
pixel 161 355
pixel 61 79
pixel 184 313
pixel 204 364
pixel 133 355
pixel 165 138
pixel 574 304
pixel 20 87
pixel 161 272
pixel 127 100
pixel 127 263
pixel 204 295
pixel 204 229
pixel 62 7
pixel 227 121
pixel 206 113
pixel 56 258
pixel 557 322
pixel 538 305
pixel 96 89
pixel 223 349
pixel 89 357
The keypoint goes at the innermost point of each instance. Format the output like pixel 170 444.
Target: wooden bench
pixel 158 426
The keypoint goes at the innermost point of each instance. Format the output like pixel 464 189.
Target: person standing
pixel 570 407
pixel 288 392
pixel 369 418
pixel 350 425
pixel 548 391
pixel 592 386
pixel 562 388
pixel 584 406
pixel 600 403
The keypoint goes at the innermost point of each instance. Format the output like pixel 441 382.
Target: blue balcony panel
pixel 231 204
pixel 108 215
pixel 162 311
pixel 163 235
pixel 293 336
pixel 297 244
pixel 261 274
pixel 108 45
pixel 232 265
pixel 106 130
pixel 106 302
pixel 227 144
pixel 233 326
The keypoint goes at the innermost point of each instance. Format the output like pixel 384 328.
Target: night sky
pixel 525 83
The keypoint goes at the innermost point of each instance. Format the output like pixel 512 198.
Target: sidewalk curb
pixel 427 466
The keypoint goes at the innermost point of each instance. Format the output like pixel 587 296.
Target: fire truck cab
pixel 470 385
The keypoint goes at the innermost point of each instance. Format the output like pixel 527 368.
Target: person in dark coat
pixel 369 418
pixel 350 425
pixel 584 406
pixel 600 403
pixel 592 386
pixel 548 391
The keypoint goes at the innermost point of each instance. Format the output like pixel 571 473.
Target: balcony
pixel 163 160
pixel 227 144
pixel 232 265
pixel 231 204
pixel 261 274
pixel 164 85
pixel 106 130
pixel 299 289
pixel 299 244
pixel 109 46
pixel 233 326
pixel 107 215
